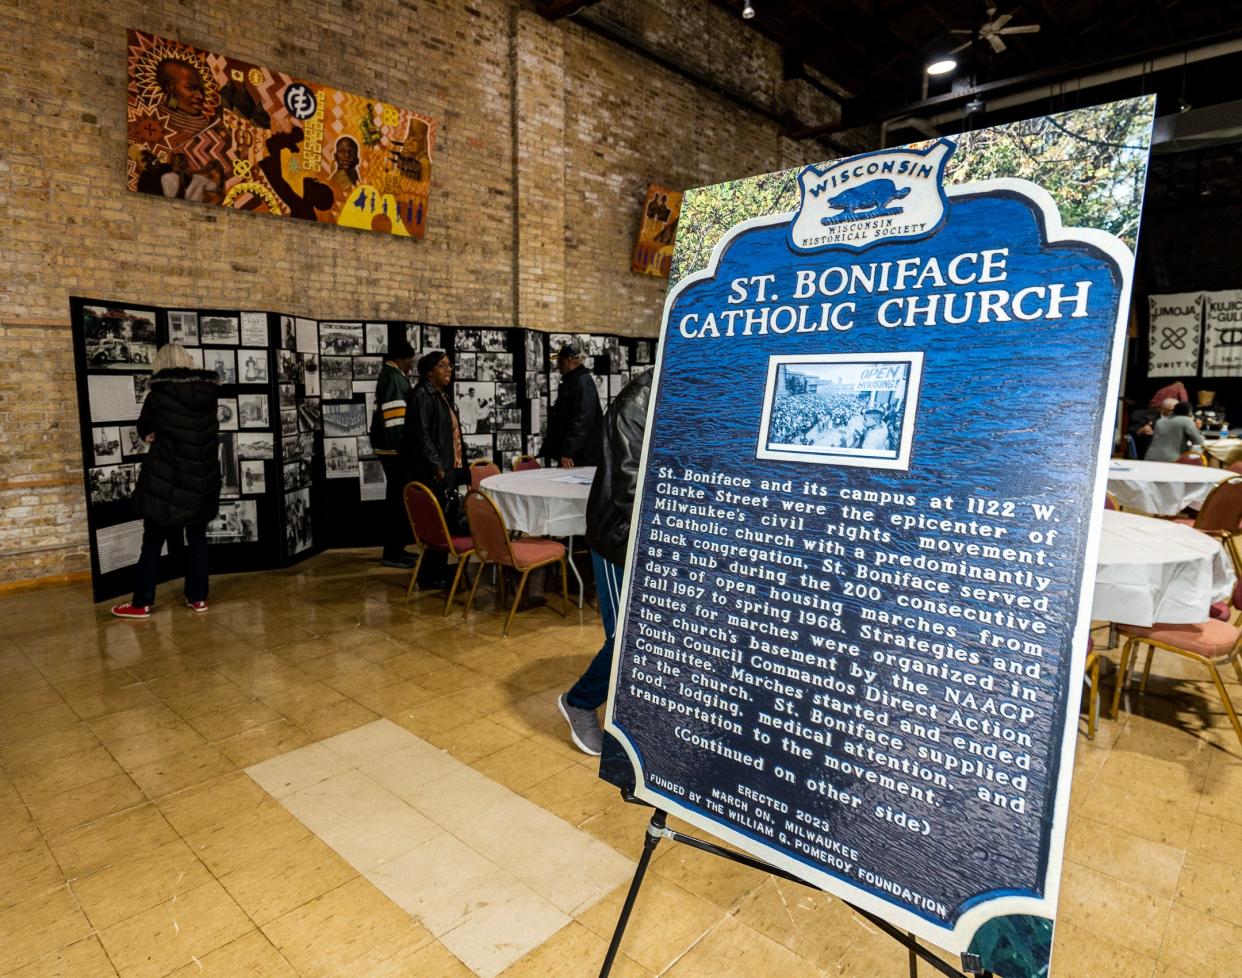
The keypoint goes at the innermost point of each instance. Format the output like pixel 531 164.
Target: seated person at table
pixel 1172 435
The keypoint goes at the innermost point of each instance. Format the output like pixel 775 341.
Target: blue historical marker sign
pixel 858 593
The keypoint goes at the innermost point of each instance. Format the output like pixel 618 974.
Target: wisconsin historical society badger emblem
pixel 852 203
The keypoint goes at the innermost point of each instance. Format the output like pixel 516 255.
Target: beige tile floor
pixel 133 842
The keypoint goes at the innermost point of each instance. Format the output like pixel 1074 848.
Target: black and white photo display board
pixel 858 591
pixel 114 345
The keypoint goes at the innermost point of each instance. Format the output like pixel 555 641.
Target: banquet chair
pixel 525 462
pixel 1192 458
pixel 480 469
pixel 1236 467
pixel 1211 643
pixel 493 546
pixel 1220 516
pixel 431 531
pixel 1092 673
pixel 1110 501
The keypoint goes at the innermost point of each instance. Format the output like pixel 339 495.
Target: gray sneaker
pixel 583 727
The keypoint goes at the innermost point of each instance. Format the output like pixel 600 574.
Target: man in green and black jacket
pixel 392 393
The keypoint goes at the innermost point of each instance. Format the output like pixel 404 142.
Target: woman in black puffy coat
pixel 179 486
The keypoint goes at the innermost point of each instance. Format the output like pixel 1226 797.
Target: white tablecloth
pixel 1163 488
pixel 1151 570
pixel 1225 450
pixel 543 502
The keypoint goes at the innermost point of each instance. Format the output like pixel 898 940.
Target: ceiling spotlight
pixel 748 10
pixel 941 66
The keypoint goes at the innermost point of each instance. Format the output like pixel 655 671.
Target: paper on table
pixel 112 397
pixel 577 480
pixel 118 546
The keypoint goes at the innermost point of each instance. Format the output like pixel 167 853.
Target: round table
pixel 1163 488
pixel 1151 570
pixel 1226 451
pixel 544 502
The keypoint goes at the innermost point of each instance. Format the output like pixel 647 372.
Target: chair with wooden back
pixel 431 531
pixel 492 545
pixel 525 463
pixel 480 469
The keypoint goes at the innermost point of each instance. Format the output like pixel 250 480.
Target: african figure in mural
pixel 209 128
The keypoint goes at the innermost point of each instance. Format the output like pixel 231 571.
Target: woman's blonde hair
pixel 170 356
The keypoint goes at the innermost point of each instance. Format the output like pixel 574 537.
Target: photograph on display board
pixel 236 522
pixel 310 414
pixel 253 478
pixel 289 422
pixel 256 445
pixel 306 443
pixel 653 250
pixel 508 419
pixel 644 351
pixel 287 366
pixel 142 384
pixel 183 327
pixel 216 330
pixel 131 443
pixel 536 355
pixel 340 420
pixel 910 561
pixel 532 385
pixel 414 336
pixel 337 390
pixel 226 413
pixel 493 340
pixel 377 337
pixel 477 447
pixel 432 339
pixel 475 403
pixel 848 409
pixel 118 338
pixel 253 364
pixel 307 336
pixel 112 483
pixel 286 396
pixel 252 411
pixel 365 448
pixel 230 473
pixel 467 340
pixel 336 368
pixel 465 366
pixel 297 473
pixel 292 447
pixel 340 458
pixel 341 340
pixel 309 366
pixel 509 444
pixel 223 363
pixel 106 444
pixel 367 368
pixel 298 536
pixel 214 129
pixel 371 480
pixel 288 333
pixel 495 366
pixel 254 329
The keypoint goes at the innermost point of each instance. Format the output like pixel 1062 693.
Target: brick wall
pixel 547 138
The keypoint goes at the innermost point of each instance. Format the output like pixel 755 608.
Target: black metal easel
pixel 657 830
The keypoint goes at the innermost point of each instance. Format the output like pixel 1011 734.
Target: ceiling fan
pixel 991 31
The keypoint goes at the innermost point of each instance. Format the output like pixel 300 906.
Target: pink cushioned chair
pixel 480 469
pixel 1212 643
pixel 493 546
pixel 525 462
pixel 431 531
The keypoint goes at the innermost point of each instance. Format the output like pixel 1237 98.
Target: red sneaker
pixel 197 606
pixel 132 611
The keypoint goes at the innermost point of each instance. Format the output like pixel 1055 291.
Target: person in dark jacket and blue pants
pixel 178 490
pixel 608 532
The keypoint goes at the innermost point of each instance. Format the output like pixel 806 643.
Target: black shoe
pixel 404 561
pixel 436 584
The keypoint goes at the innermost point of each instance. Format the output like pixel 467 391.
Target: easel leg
pixel 914 957
pixel 655 832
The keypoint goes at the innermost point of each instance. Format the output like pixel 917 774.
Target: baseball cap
pixel 568 350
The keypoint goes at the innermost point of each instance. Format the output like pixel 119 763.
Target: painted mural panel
pixel 213 129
